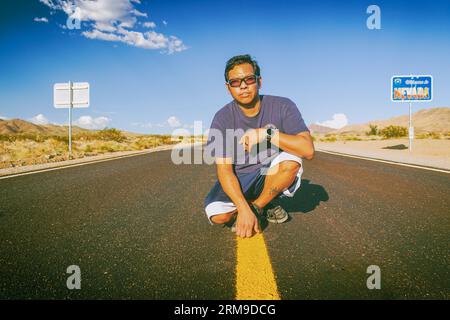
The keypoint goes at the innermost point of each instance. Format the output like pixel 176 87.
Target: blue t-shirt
pixel 230 124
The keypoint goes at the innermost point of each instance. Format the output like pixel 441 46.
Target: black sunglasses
pixel 237 82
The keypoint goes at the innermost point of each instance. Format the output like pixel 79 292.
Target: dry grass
pixel 431 135
pixel 20 150
pixel 336 137
pixel 332 137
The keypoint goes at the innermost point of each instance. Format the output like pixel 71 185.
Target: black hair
pixel 237 60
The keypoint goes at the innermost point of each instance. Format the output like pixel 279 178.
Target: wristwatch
pixel 270 132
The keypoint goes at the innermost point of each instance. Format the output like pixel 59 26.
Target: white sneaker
pixel 277 214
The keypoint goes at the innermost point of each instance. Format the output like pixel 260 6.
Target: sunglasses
pixel 237 82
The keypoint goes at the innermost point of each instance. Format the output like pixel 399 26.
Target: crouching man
pixel 258 142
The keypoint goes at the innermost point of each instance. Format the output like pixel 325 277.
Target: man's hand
pixel 246 222
pixel 253 137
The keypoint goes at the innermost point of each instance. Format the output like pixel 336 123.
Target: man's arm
pixel 300 144
pixel 246 220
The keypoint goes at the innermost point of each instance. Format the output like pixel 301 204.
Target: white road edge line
pixel 384 161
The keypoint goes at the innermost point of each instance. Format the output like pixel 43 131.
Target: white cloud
pixel 116 21
pixel 4 118
pixel 49 3
pixel 149 24
pixel 43 19
pixel 39 119
pixel 165 22
pixel 104 26
pixel 97 34
pixel 145 40
pixel 171 122
pixel 338 121
pixel 87 122
pixel 139 14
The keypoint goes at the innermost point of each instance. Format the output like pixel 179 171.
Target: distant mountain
pixel 18 126
pixel 426 120
pixel 15 126
pixel 318 129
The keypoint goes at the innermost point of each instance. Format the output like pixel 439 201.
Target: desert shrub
pixel 434 135
pixel 6 137
pixel 351 138
pixel 26 136
pixel 373 131
pixel 394 132
pixel 32 137
pixel 329 139
pixel 64 139
pixel 111 134
pixel 429 135
pixel 40 138
pixel 106 148
pixel 88 148
pixel 57 145
pixel 85 136
pixel 167 139
pixel 145 143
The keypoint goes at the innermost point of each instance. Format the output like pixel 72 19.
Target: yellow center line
pixel 255 279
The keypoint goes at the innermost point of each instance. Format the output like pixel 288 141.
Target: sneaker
pixel 276 214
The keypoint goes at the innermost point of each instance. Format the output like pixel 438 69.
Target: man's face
pixel 245 94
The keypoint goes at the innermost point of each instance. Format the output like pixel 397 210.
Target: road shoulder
pixel 425 153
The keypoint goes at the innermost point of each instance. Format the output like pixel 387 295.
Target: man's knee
pixel 289 166
pixel 222 218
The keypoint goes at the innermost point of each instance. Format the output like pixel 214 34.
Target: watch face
pixel 270 130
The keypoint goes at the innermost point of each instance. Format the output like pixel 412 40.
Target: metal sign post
pixel 411 88
pixel 71 95
pixel 70 118
pixel 411 128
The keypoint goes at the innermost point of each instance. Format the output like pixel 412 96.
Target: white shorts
pixel 217 202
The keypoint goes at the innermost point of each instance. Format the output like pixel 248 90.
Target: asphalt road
pixel 136 228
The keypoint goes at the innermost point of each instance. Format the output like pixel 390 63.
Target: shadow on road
pixel 306 199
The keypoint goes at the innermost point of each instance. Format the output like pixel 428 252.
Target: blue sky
pixel 320 54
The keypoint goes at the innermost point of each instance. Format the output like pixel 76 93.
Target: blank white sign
pixel 80 95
